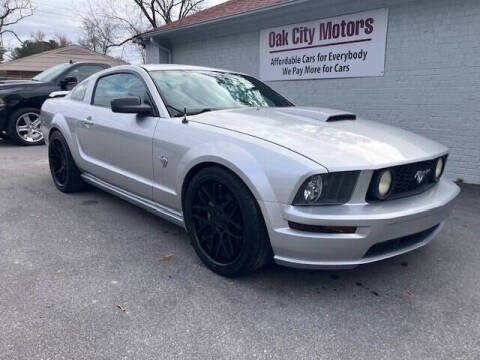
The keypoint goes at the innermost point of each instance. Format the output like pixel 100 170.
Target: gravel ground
pixel 88 276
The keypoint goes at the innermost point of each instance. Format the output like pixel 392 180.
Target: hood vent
pixel 321 114
pixel 341 117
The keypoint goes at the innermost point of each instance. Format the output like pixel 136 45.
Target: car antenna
pixel 185 120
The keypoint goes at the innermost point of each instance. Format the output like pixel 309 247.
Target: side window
pixel 81 72
pixel 118 85
pixel 78 92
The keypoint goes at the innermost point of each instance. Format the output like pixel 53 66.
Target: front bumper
pixel 407 224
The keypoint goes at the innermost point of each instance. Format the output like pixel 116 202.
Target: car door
pixel 117 148
pixel 81 72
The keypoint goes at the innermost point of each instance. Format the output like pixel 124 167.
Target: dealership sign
pixel 344 46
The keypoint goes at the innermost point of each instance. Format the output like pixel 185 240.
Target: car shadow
pixel 5 142
pixel 371 280
pixel 9 143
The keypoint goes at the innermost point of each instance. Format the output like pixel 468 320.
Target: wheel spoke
pixel 228 201
pixel 204 195
pixel 220 194
pixel 29 135
pixel 214 191
pixel 202 228
pixel 208 240
pixel 228 247
pixel 36 123
pixel 59 169
pixel 233 211
pixel 200 208
pixel 218 246
pixel 199 218
pixel 26 118
pixel 235 224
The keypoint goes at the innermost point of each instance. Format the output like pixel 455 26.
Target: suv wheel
pixel 24 127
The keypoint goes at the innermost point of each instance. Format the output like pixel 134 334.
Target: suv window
pixel 81 72
pixel 116 86
pixel 78 92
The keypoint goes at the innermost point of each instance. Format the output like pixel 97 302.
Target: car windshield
pixel 51 73
pixel 200 91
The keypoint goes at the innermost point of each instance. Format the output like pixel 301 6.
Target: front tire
pixel 65 173
pixel 225 223
pixel 25 128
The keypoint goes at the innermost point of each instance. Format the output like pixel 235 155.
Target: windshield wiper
pixel 179 112
pixel 198 111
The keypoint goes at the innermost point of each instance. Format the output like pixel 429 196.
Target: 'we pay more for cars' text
pixel 331 62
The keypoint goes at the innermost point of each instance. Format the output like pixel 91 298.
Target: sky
pixel 63 17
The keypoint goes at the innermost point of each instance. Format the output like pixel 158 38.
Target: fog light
pixel 323 229
pixel 313 189
pixel 385 183
pixel 439 169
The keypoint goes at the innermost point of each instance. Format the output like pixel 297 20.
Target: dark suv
pixel 21 100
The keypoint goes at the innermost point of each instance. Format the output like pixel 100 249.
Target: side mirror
pixel 131 105
pixel 68 81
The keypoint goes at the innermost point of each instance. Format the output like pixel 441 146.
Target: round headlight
pixel 313 189
pixel 385 183
pixel 439 169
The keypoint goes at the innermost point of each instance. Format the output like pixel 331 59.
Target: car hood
pixel 7 84
pixel 320 135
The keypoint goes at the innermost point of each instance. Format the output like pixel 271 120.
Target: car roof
pixel 159 67
pixel 86 62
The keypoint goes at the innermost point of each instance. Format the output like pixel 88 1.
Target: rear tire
pixel 24 127
pixel 225 223
pixel 65 173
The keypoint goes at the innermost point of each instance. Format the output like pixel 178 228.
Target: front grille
pixel 398 243
pixel 404 182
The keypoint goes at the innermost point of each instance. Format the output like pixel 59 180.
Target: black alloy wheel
pixel 225 223
pixel 65 174
pixel 57 156
pixel 218 222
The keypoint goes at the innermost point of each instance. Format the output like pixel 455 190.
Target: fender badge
pixel 164 161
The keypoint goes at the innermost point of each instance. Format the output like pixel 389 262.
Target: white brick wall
pixel 432 74
pixel 152 53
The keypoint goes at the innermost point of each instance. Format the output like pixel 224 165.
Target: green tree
pixel 31 47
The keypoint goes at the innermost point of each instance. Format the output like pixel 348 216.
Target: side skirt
pixel 151 206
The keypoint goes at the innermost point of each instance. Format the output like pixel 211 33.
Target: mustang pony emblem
pixel 420 175
pixel 164 161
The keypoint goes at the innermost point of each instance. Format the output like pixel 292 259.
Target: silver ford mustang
pixel 248 174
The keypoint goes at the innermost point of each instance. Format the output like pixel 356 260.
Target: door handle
pixel 87 122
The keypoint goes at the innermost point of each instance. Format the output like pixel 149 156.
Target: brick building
pixel 425 76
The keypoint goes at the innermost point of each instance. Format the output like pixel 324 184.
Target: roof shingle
pixel 44 60
pixel 227 8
